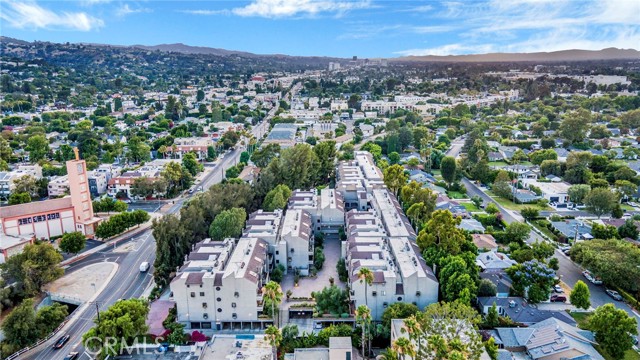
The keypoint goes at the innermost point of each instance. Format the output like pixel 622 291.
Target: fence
pixel 40 342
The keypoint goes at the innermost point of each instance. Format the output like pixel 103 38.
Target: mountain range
pixel 563 55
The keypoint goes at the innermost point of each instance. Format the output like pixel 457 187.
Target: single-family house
pixel 494 260
pixel 520 311
pixel 573 229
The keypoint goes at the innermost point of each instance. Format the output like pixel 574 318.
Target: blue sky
pixel 367 28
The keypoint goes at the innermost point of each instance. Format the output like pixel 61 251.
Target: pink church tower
pixel 85 221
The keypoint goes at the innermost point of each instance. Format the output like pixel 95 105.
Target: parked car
pixel 60 343
pixel 614 294
pixel 71 356
pixel 564 247
pixel 596 281
pixel 558 298
pixel 558 289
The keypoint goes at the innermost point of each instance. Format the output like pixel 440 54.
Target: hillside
pixel 564 55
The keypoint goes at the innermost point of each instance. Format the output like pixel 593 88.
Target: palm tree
pixel 275 337
pixel 174 150
pixel 404 347
pixel 389 354
pixel 413 328
pixel 365 274
pixel 273 292
pixel 163 150
pixel 363 316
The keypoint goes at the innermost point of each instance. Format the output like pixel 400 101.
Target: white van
pixel 144 267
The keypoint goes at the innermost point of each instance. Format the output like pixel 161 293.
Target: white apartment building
pixel 58 186
pixel 266 226
pixel 356 178
pixel 197 145
pixel 383 241
pixel 297 233
pixel 219 286
pixel 7 178
pixel 97 182
pixel 326 209
pixel 339 105
pixel 123 183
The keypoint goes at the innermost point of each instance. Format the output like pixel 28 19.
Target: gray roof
pixel 568 228
pixel 522 312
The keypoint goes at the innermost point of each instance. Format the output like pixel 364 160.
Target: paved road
pixel 568 271
pixel 128 282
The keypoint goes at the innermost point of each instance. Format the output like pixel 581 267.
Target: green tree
pixel 529 213
pixel 442 232
pixel 491 208
pixel 262 157
pixel 455 281
pixel 600 201
pixel 73 242
pixel 448 169
pixel 363 318
pixel 394 158
pixel 502 185
pixel 228 223
pixel 577 193
pixel 19 198
pixel 628 230
pixel 50 317
pixel 332 300
pixel 26 184
pixel 487 288
pixel 448 331
pixel 272 293
pixel 613 328
pixel 34 267
pixel 395 178
pixel 38 148
pixel 580 295
pixel 122 324
pixel 533 278
pixel 518 232
pixel 273 335
pixel 326 154
pixel 575 125
pixel 20 327
pixel 277 198
pixel 626 188
pixel 190 162
pixel 492 319
pixel 399 310
pixel 477 201
pixel 366 276
pixel 604 232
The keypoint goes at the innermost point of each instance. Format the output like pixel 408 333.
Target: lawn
pixel 545 231
pixel 456 195
pixel 510 205
pixel 497 163
pixel 627 207
pixel 469 206
pixel 583 323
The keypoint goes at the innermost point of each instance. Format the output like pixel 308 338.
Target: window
pixel 204 305
pixel 418 293
pixel 234 316
pixel 236 294
pixel 374 293
pixel 292 250
pixel 218 299
pixel 195 325
pixel 219 310
pixel 385 304
pixel 233 305
pixel 277 252
pixel 193 294
pixel 201 293
pixel 206 325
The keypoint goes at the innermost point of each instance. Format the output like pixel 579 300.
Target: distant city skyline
pixel 340 28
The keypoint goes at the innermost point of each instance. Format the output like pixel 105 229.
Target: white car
pixel 144 267
pixel 558 289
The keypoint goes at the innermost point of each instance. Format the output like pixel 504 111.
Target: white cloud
pixel 31 15
pixel 369 30
pixel 289 8
pixel 450 49
pixel 207 12
pixel 431 29
pixel 127 10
